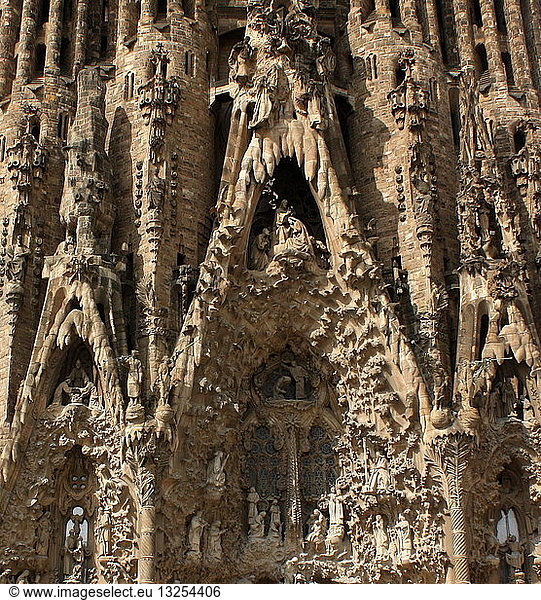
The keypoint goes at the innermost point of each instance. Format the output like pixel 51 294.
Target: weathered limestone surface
pixel 270 291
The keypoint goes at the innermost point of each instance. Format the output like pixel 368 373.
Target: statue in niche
pixel 379 474
pixel 195 533
pixel 241 61
pixel 44 531
pixel 135 374
pixel 287 380
pixel 317 528
pixel 259 253
pixel 163 380
pixel 257 527
pixel 290 234
pixel 404 540
pixel 275 521
pixel 216 470
pixel 336 531
pixel 214 542
pixel 76 388
pixel 15 264
pixel 253 498
pixel 156 191
pixel 381 539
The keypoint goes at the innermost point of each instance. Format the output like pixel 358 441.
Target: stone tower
pixel 270 291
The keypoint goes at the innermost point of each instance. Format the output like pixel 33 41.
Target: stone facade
pixel 270 291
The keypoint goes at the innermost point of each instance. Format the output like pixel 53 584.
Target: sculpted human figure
pixel 290 234
pixel 163 380
pixel 275 521
pixel 379 474
pixel 336 531
pixel 404 539
pixel 381 539
pixel 216 470
pixel 281 387
pixel 17 261
pixel 214 542
pixel 257 527
pixel 253 498
pixel 135 374
pixel 195 532
pixel 316 530
pixel 259 253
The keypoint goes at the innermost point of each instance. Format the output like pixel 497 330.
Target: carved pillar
pixel 124 16
pixel 147 11
pixel 449 456
pixel 54 36
pixel 492 40
pixel 464 32
pixel 294 506
pixel 81 29
pixel 27 39
pixel 147 538
pixel 8 39
pixel 517 46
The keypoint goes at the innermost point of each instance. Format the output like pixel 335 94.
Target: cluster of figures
pixel 289 240
pixel 199 532
pixel 327 536
pixel 257 519
pixel 77 388
pixel 394 544
pixel 507 399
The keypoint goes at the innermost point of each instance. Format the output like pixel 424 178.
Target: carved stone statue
pixel 317 525
pixel 275 521
pixel 336 531
pixel 195 533
pixel 253 498
pixel 404 540
pixel 257 527
pixel 216 470
pixel 381 539
pixel 290 234
pixel 214 541
pixel 163 380
pixel 259 252
pixel 135 374
pixel 379 474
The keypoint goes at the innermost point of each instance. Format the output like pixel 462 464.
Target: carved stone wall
pixel 269 292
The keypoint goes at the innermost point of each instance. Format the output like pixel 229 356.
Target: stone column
pixel 517 46
pixel 147 11
pixel 81 34
pixel 8 39
pixel 294 507
pixel 147 543
pixel 54 36
pixel 463 32
pixel 27 40
pixel 492 41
